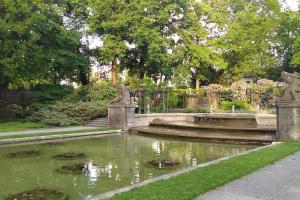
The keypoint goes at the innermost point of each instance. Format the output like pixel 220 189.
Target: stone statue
pixel 123 97
pixel 292 90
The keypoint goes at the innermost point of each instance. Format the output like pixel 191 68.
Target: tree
pixel 250 34
pixel 197 50
pixel 110 22
pixel 286 45
pixel 35 45
pixel 296 53
pixel 153 25
pixel 145 27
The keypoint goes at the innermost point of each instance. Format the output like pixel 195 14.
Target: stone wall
pixel 288 121
pixel 196 101
pixel 15 97
pixel 18 97
pixel 145 119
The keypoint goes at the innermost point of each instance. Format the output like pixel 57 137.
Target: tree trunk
pixel 197 84
pixel 114 73
pixel 83 77
pixel 142 69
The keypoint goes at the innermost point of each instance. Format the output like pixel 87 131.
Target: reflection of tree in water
pixel 125 157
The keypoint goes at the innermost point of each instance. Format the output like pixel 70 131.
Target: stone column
pixel 288 121
pixel 118 116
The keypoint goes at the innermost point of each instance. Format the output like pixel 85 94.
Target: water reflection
pixel 113 162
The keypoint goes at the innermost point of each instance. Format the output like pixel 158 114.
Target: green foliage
pixel 239 105
pixel 173 100
pixel 227 95
pixel 49 93
pixel 196 110
pixel 69 113
pixel 296 50
pixel 100 92
pixel 19 112
pixel 84 104
pixel 35 45
pixel 288 32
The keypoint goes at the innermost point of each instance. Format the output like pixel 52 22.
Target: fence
pixel 168 100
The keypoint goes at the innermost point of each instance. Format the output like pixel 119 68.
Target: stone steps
pixel 206 135
pixel 214 127
pixel 99 122
pixel 250 134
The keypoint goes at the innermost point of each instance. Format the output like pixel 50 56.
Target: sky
pixel 293 4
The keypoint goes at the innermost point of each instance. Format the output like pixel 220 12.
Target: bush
pixel 67 113
pixel 84 104
pixel 98 92
pixel 239 105
pixel 18 112
pixel 173 100
pixel 196 110
pixel 50 93
pixel 227 95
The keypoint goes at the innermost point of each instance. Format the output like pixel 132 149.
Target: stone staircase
pixel 210 131
pixel 99 122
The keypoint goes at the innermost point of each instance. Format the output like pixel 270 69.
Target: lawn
pixel 192 184
pixel 18 126
pixel 56 133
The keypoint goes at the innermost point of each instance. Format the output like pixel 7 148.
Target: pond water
pixel 109 163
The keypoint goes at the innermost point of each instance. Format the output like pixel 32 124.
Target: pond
pixel 87 167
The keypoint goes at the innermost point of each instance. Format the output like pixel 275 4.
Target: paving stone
pixel 264 185
pixel 224 195
pixel 292 193
pixel 280 181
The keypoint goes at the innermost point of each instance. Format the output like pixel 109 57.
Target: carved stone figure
pixel 123 97
pixel 292 90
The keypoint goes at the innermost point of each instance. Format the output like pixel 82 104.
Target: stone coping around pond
pixel 211 127
pixel 172 174
pixel 209 115
pixel 164 115
pixel 56 137
pixel 227 115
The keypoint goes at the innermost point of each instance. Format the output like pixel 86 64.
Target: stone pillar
pixel 288 121
pixel 118 116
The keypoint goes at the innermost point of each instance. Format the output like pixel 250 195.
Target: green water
pixel 114 162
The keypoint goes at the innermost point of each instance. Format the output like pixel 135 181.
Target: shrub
pixel 98 92
pixel 196 110
pixel 18 112
pixel 59 119
pixel 239 105
pixel 50 93
pixel 67 113
pixel 227 95
pixel 173 100
pixel 84 104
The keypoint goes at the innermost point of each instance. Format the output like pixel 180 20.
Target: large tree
pixel 286 44
pixel 196 50
pixel 35 45
pixel 250 34
pixel 109 20
pixel 154 24
pixel 144 27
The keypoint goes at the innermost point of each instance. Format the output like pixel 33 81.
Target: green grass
pixel 18 126
pixel 56 133
pixel 192 184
